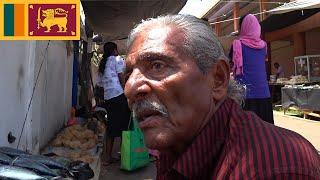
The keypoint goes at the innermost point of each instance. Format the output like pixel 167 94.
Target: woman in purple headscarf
pixel 248 54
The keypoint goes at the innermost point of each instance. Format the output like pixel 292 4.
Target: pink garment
pixel 250 36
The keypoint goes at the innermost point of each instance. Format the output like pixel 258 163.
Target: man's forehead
pixel 151 40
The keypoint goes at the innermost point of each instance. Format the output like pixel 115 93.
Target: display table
pixel 305 98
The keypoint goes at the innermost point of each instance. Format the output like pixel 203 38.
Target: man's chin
pixel 156 141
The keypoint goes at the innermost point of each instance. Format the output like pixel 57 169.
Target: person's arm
pixel 121 79
pixel 120 65
pixel 278 72
pixel 277 75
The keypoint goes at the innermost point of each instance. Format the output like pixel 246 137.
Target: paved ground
pixel 113 172
pixel 307 128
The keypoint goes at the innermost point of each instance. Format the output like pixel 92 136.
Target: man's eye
pixel 157 66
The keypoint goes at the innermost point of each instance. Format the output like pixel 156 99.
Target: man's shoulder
pixel 269 146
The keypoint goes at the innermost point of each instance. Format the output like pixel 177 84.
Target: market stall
pixel 307 72
pixel 276 85
pixel 301 91
pixel 305 98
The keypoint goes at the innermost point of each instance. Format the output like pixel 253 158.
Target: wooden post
pixel 263 7
pixel 236 11
pixel 217 28
pixel 299 44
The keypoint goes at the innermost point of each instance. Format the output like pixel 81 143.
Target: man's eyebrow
pixel 153 57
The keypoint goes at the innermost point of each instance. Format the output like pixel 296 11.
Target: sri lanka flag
pixel 13 22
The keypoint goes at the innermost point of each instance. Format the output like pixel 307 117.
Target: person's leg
pixel 261 107
pixel 110 132
pixel 109 147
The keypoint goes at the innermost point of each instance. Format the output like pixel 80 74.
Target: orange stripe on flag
pixel 19 19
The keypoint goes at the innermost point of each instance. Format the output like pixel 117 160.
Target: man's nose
pixel 136 86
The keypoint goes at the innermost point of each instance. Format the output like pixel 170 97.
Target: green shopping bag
pixel 134 153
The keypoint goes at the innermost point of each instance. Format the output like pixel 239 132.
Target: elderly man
pixel 177 84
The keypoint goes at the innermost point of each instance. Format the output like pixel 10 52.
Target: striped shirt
pixel 236 144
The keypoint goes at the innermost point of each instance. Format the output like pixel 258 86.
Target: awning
pixel 296 5
pixel 289 14
pixel 279 21
pixel 114 19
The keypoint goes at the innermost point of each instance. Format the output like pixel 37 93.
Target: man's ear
pixel 220 76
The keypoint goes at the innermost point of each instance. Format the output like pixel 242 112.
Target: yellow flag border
pixel 26 3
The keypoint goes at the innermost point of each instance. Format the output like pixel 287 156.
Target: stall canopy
pixel 114 19
pixel 296 5
pixel 290 13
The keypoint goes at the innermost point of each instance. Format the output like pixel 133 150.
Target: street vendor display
pixel 75 142
pixel 299 79
pixel 305 98
pixel 308 66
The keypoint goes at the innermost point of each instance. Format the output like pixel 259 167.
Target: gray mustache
pixel 142 105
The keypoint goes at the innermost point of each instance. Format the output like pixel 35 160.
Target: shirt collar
pixel 206 146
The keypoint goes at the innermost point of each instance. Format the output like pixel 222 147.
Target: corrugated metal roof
pixel 296 5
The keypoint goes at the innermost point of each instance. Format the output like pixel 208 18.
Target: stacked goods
pixel 76 155
pixel 273 78
pixel 76 141
pixel 298 80
pixel 282 80
pixel 101 127
pixel 76 137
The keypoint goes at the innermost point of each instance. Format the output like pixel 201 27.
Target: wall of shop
pixel 312 42
pixel 54 93
pixel 282 52
pixel 20 62
pixel 15 90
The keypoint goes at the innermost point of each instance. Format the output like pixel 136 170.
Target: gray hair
pixel 199 42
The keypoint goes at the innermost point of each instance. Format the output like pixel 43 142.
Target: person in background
pixel 111 70
pixel 280 72
pixel 248 54
pixel 179 88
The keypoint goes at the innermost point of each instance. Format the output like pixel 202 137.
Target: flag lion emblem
pixel 53 17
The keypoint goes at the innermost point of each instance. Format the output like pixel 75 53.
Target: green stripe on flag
pixel 8 19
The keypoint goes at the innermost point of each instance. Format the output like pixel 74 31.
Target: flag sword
pixel 39 19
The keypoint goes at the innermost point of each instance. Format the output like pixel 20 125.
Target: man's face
pixel 166 89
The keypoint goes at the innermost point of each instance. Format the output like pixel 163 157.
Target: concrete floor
pixel 307 128
pixel 113 171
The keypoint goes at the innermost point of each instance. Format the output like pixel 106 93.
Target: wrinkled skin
pixel 158 70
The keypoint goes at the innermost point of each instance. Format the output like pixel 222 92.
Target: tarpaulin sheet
pixel 113 19
pixel 306 98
